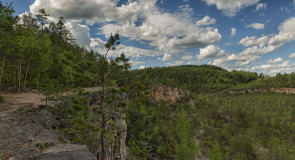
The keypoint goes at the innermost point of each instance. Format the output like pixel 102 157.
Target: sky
pixel 248 35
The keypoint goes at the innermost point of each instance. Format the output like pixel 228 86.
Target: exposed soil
pixel 25 99
pixel 29 98
pixel 29 131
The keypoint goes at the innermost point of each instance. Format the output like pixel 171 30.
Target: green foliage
pixel 161 131
pixel 257 122
pixel 80 124
pixel 278 81
pixel 198 79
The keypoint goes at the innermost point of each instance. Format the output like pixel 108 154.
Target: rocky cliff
pixel 29 131
pixel 170 95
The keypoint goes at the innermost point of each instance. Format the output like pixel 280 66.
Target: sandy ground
pixel 21 100
pixel 30 98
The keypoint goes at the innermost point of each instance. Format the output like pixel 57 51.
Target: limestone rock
pixel 170 95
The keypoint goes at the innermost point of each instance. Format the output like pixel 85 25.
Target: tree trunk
pixel 2 69
pixel 103 126
pixel 26 74
pixel 16 79
pixel 37 83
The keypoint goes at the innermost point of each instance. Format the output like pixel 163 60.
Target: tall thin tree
pixel 42 16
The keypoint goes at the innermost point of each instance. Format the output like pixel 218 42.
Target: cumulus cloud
pixel 256 26
pixel 136 63
pixel 283 67
pixel 253 41
pixel 166 31
pixel 231 7
pixel 175 63
pixel 206 21
pixel 292 55
pixel 277 60
pixel 89 10
pixel 80 33
pixel 98 45
pixel 142 67
pixel 260 6
pixel 233 32
pixel 256 46
pixel 137 20
pixel 265 66
pixel 210 52
pixel 187 58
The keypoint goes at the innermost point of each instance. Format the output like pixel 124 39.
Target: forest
pixel 209 123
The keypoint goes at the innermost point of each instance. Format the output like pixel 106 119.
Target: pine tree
pixel 42 16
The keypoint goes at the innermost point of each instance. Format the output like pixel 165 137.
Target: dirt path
pixel 28 131
pixel 24 99
pixel 30 98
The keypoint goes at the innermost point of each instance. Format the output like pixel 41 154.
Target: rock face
pixel 170 95
pixel 115 146
pixel 29 133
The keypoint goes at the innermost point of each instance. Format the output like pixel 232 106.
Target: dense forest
pixel 36 53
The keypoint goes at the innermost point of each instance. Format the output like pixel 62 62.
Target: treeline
pixel 198 79
pixel 278 81
pixel 38 53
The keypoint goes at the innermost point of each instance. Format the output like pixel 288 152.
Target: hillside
pixel 212 79
pixel 183 112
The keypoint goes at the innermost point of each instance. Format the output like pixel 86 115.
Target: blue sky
pixel 249 35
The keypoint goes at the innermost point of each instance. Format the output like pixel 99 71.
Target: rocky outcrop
pixel 29 133
pixel 170 95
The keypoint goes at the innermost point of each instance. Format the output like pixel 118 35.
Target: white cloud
pixel 175 63
pixel 210 51
pixel 262 45
pixel 265 66
pixel 163 31
pixel 231 7
pixel 277 60
pixel 143 67
pixel 136 63
pixel 233 32
pixel 261 6
pixel 253 41
pixel 272 69
pixel 218 62
pixel 187 58
pixel 91 11
pixel 98 45
pixel 80 33
pixel 166 33
pixel 206 21
pixel 256 26
pixel 293 54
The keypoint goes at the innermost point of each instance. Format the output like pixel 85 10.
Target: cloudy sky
pixel 249 35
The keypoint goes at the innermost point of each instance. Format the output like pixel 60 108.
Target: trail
pixel 30 98
pixel 29 131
